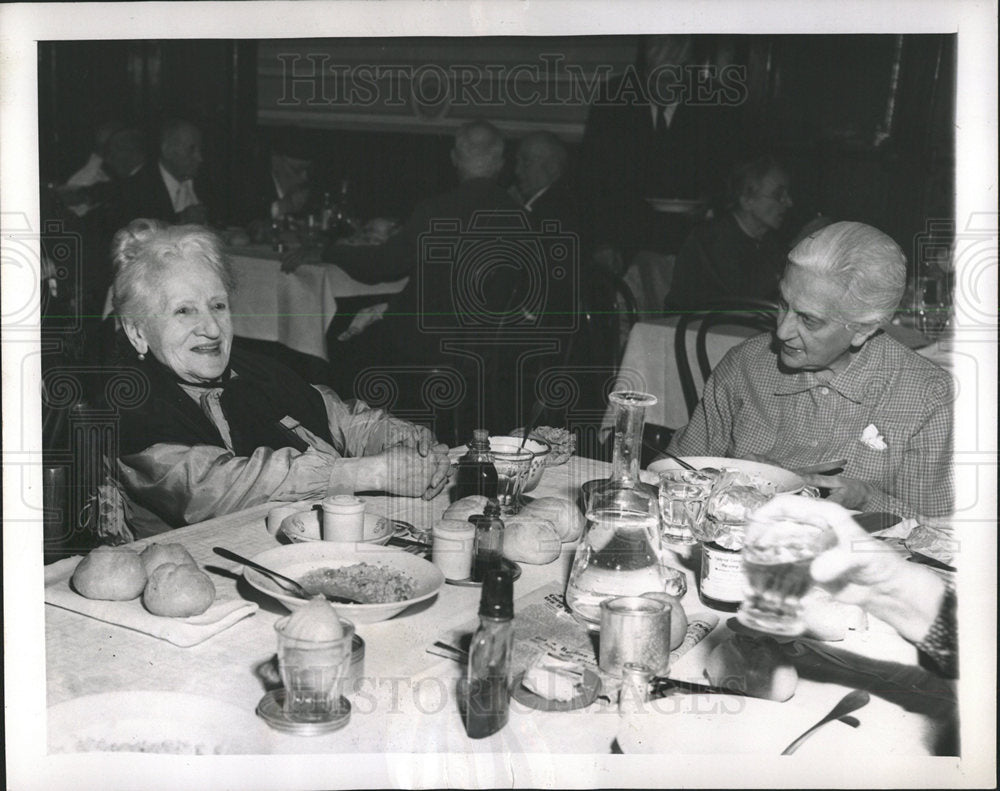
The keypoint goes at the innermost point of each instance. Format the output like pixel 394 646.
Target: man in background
pixel 455 290
pixel 172 189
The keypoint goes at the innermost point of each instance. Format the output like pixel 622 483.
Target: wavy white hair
pixel 868 264
pixel 143 253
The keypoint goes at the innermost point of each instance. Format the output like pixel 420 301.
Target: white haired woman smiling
pixel 221 429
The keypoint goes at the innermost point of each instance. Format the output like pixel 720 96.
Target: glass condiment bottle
pixel 617 554
pixel 486 695
pixel 475 473
pixel 487 548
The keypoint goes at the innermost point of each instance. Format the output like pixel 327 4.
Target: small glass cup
pixel 683 494
pixel 512 468
pixel 313 672
pixel 776 559
pixel 635 629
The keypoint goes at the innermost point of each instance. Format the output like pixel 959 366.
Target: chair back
pixel 608 313
pixel 756 314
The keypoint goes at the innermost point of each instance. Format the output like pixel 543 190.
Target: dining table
pixel 405 728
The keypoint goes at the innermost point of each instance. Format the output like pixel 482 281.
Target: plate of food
pixel 771 479
pixel 385 580
pixel 150 721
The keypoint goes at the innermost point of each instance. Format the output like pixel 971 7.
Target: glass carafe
pixel 617 554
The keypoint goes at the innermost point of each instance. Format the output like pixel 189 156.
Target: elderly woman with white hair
pixel 221 430
pixel 829 384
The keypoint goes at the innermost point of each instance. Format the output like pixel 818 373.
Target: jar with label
pixel 721 585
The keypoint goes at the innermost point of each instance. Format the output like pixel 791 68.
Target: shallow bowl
pixel 764 474
pixel 297 560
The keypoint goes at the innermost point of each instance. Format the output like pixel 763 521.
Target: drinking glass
pixel 313 672
pixel 512 468
pixel 683 494
pixel 776 559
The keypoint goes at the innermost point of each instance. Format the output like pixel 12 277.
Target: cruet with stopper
pixel 617 555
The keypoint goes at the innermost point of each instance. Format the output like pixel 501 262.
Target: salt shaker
pixel 343 518
pixel 452 548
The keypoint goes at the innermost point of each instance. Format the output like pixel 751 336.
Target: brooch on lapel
pixel 872 438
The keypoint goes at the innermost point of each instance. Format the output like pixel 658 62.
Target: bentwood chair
pixel 756 314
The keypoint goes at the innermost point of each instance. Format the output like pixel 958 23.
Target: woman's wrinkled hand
pixel 411 474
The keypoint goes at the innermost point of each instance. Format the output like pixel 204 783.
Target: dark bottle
pixel 346 222
pixel 487 548
pixel 486 695
pixel 329 210
pixel 475 473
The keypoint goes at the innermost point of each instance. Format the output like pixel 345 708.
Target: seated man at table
pixel 738 255
pixel 173 189
pixel 830 385
pixel 207 435
pixel 280 184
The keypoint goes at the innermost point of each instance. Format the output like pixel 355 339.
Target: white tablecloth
pixel 649 364
pixel 406 709
pixel 294 309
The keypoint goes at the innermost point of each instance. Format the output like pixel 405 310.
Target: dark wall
pixel 866 122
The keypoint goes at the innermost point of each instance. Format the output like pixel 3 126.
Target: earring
pixel 142 356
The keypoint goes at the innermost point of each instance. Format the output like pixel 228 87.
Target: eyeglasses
pixel 782 196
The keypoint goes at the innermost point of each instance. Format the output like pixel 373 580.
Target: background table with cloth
pixel 406 708
pixel 291 308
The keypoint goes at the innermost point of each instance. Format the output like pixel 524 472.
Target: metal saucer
pixel 271 709
pixel 468 582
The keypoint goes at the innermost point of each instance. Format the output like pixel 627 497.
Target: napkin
pixel 184 632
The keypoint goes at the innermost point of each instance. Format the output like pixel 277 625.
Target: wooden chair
pixel 608 313
pixel 757 314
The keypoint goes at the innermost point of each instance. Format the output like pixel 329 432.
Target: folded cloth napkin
pixel 184 632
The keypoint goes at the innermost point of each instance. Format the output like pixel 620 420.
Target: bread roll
pixel 157 554
pixel 753 666
pixel 562 513
pixel 110 573
pixel 466 507
pixel 178 591
pixel 530 540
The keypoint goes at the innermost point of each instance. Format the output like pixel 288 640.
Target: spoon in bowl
pixel 297 589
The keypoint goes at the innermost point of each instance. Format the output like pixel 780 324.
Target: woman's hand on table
pixel 864 571
pixel 412 474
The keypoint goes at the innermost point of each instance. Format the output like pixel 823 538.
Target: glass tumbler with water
pixel 777 554
pixel 683 494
